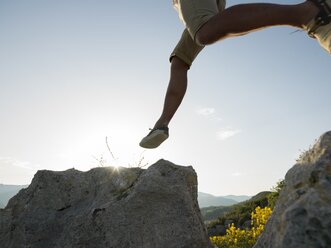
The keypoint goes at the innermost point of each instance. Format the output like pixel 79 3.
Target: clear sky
pixel 74 72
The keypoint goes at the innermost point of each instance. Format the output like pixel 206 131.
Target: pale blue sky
pixel 74 72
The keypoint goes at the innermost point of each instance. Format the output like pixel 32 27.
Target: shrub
pixel 237 238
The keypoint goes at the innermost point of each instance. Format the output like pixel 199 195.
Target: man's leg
pixel 181 59
pixel 174 96
pixel 245 18
pixel 175 92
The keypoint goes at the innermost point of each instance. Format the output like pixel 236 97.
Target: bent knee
pixel 203 38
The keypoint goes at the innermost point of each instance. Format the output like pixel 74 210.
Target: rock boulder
pixel 302 215
pixel 107 207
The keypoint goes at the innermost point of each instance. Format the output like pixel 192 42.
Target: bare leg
pixel 176 91
pixel 245 18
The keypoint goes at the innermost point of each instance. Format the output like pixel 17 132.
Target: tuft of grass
pixel 102 161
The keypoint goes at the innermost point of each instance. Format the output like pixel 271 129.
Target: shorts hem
pixel 181 56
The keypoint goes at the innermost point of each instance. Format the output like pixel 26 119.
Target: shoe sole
pixel 325 40
pixel 323 36
pixel 154 140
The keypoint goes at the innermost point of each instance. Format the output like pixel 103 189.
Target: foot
pixel 155 137
pixel 320 26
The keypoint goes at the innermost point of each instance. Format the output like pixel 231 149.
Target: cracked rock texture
pixel 105 207
pixel 302 216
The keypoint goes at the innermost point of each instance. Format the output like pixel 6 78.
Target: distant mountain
pixel 7 192
pixel 208 200
pixel 238 213
pixel 238 198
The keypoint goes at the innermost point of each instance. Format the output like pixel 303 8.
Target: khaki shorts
pixel 194 14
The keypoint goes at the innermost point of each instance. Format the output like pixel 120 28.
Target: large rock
pixel 302 216
pixel 106 207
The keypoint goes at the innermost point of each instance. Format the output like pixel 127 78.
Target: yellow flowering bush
pixel 237 238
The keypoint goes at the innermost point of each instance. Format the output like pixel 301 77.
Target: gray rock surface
pixel 105 207
pixel 302 215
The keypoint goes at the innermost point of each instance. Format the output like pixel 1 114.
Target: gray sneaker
pixel 155 137
pixel 320 27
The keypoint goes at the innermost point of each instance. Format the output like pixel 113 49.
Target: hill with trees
pixel 217 219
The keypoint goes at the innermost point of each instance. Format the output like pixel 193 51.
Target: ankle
pixel 159 124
